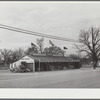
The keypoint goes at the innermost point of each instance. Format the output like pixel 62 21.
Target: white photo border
pixel 53 93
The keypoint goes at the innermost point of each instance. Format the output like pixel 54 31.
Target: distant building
pixel 42 62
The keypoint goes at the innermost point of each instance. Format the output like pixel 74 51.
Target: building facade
pixel 38 62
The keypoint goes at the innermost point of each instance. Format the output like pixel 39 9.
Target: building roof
pixel 44 58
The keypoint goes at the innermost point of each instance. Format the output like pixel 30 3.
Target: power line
pixel 35 33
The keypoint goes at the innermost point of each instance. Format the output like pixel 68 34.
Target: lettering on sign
pixel 25 58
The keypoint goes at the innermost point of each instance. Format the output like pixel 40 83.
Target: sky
pixel 64 19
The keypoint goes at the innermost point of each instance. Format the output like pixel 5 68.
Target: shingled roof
pixel 44 58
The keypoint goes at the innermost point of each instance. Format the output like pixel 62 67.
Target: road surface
pixel 78 78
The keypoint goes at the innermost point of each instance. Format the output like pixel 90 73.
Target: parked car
pixel 14 68
pixel 18 68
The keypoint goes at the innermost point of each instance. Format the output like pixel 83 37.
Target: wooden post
pixel 34 66
pixel 39 65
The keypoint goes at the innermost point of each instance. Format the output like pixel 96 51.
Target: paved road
pixel 80 78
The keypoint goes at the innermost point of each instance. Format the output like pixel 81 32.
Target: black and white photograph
pixel 49 44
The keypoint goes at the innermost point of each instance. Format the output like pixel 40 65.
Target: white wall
pixel 26 59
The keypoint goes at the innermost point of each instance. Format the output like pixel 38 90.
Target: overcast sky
pixel 61 19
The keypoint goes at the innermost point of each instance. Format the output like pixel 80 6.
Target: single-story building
pixel 42 62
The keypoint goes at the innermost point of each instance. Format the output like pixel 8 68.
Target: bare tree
pixel 31 50
pixel 90 44
pixel 10 56
pixel 6 56
pixel 17 54
pixel 40 44
pixel 54 50
pixel 74 56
